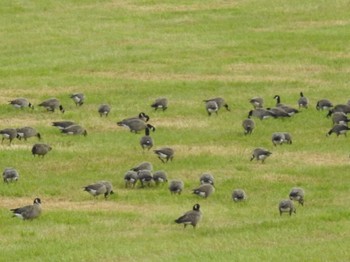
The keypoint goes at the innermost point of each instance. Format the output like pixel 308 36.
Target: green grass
pixel 127 53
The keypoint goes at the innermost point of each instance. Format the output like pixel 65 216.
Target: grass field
pixel 127 54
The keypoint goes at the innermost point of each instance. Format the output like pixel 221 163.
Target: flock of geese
pixel 144 171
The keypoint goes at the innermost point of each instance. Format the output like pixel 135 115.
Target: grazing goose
pixel 278 139
pixel 10 174
pixel 146 141
pixel 41 149
pixel 28 212
pixel 339 108
pixel 339 130
pixel 143 166
pixel 238 195
pixel 289 110
pixel 99 188
pixel 206 178
pixel 63 124
pixel 104 110
pixel 52 104
pixel 303 102
pixel 191 217
pixel 160 103
pixel 78 98
pixel 261 113
pixel 220 102
pixel 74 130
pixel 278 112
pixel 136 125
pixel 21 103
pixel 160 177
pixel 27 132
pixel 204 190
pixel 297 194
pixel 141 116
pixel 176 186
pixel 286 206
pixel 130 178
pixel 211 107
pixel 109 188
pixel 340 118
pixel 257 102
pixel 248 125
pixel 260 154
pixel 165 153
pixel 324 104
pixel 8 133
pixel 287 138
pixel 145 177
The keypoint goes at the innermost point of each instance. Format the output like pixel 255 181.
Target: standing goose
pixel 260 154
pixel 143 166
pixel 206 178
pixel 220 102
pixel 136 125
pixel 8 133
pixel 141 116
pixel 160 177
pixel 303 102
pixel 21 103
pixel 10 174
pixel 41 149
pixel 238 195
pixel 146 141
pixel 261 113
pixel 130 178
pixel 191 217
pixel 164 154
pixel 63 124
pixel 338 130
pixel 324 104
pixel 78 98
pixel 27 132
pixel 290 110
pixel 286 206
pixel 74 130
pixel 297 194
pixel 204 190
pixel 104 110
pixel 257 102
pixel 52 104
pixel 248 125
pixel 211 107
pixel 28 212
pixel 160 103
pixel 278 139
pixel 340 118
pixel 176 187
pixel 145 177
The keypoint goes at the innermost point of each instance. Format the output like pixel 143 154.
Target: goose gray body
pixel 41 149
pixel 145 177
pixel 278 139
pixel 109 188
pixel 52 104
pixel 99 188
pixel 238 195
pixel 340 118
pixel 143 166
pixel 104 110
pixel 303 102
pixel 339 108
pixel 261 113
pixel 211 107
pixel 204 190
pixel 297 194
pixel 260 154
pixel 160 103
pixel 288 109
pixel 176 186
pixel 324 104
pixel 28 212
pixel 206 178
pixel 286 206
pixel 338 130
pixel 287 138
pixel 248 125
pixel 21 103
pixel 257 102
pixel 142 116
pixel 136 125
pixel 220 102
pixel 130 178
pixel 63 124
pixel 165 154
pixel 8 133
pixel 278 112
pixel 160 177
pixel 78 98
pixel 27 132
pixel 10 174
pixel 191 217
pixel 74 130
pixel 146 142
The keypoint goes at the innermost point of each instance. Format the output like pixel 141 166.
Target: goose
pixel 338 130
pixel 104 110
pixel 145 177
pixel 204 190
pixel 303 101
pixel 130 178
pixel 191 217
pixel 141 116
pixel 260 154
pixel 10 174
pixel 78 98
pixel 74 130
pixel 160 103
pixel 239 195
pixel 63 124
pixel 109 187
pixel 52 104
pixel 220 102
pixel 211 107
pixel 339 108
pixel 99 188
pixel 287 138
pixel 21 103
pixel 136 125
pixel 160 177
pixel 206 178
pixel 289 110
pixel 278 139
pixel 142 166
pixel 176 187
pixel 248 125
pixel 28 212
pixel 278 112
pixel 286 206
pixel 146 141
pixel 27 132
pixel 340 118
pixel 8 133
pixel 41 149
pixel 297 194
pixel 257 102
pixel 261 113
pixel 324 104
pixel 165 153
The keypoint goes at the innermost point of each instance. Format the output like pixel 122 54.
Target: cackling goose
pixel 238 195
pixel 160 103
pixel 136 125
pixel 145 177
pixel 261 113
pixel 143 166
pixel 164 154
pixel 74 130
pixel 220 102
pixel 160 177
pixel 211 107
pixel 130 178
pixel 297 194
pixel 146 141
pixel 52 104
pixel 286 206
pixel 260 154
pixel 257 102
pixel 324 104
pixel 204 190
pixel 78 98
pixel 41 149
pixel 21 103
pixel 340 118
pixel 10 174
pixel 303 102
pixel 28 212
pixel 176 186
pixel 338 130
pixel 191 217
pixel 104 110
pixel 63 124
pixel 8 133
pixel 27 132
pixel 248 125
pixel 206 178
